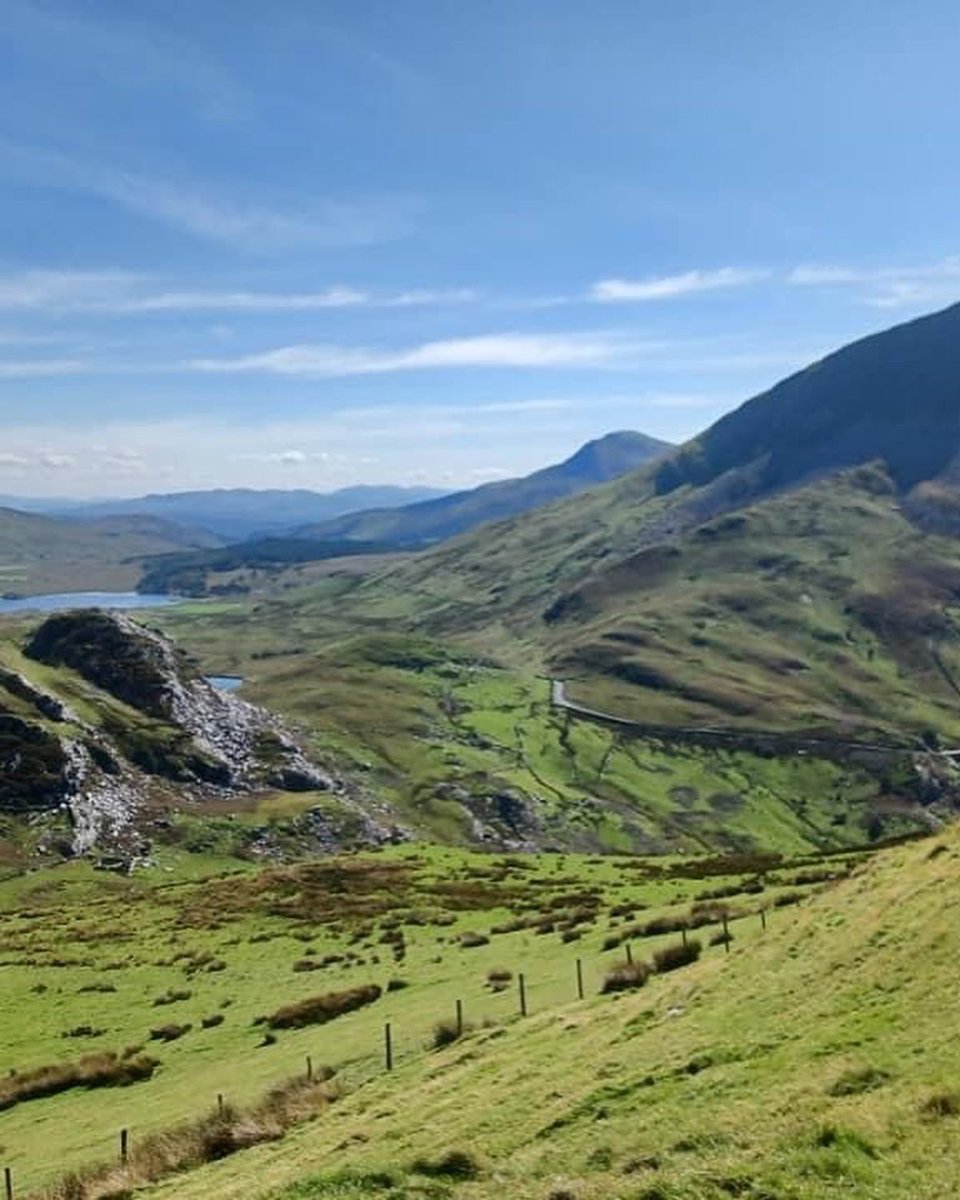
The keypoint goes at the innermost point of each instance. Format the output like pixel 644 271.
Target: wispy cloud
pixel 201 212
pixel 888 287
pixel 125 293
pixel 43 368
pixel 668 287
pixel 490 350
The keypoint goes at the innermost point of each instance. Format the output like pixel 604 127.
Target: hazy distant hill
pixel 48 554
pixel 236 513
pixel 432 520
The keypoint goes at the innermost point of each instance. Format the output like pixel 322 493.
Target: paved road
pixel 799 742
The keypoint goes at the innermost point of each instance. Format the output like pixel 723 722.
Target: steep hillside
pixel 813 1055
pixel 48 554
pixel 596 462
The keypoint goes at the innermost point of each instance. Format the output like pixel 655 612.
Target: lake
pixel 225 683
pixel 58 601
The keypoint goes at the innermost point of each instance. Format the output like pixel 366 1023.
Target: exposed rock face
pixel 216 737
pixel 172 728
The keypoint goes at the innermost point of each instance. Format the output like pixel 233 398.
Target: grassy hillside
pixel 45 554
pixel 816 1058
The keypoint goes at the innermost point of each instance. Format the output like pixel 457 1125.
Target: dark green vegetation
pixel 597 462
pixel 47 554
pixel 187 573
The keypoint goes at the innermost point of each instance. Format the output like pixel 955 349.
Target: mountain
pixel 596 462
pixel 791 567
pixel 238 513
pixel 48 554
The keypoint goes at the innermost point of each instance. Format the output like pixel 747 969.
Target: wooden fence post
pixel 629 949
pixel 124 1145
pixel 459 1018
pixel 220 1104
pixel 523 995
pixel 388 1045
pixel 579 979
pixel 309 1069
pixel 726 933
pixel 683 933
pixel 763 919
pixel 8 1182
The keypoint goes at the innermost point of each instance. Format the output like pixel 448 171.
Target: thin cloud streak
pixel 887 287
pixel 492 350
pixel 668 287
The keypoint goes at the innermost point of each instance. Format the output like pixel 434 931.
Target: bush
pixel 470 939
pixel 93 1071
pixel 854 1083
pixel 317 1010
pixel 212 1022
pixel 677 955
pixel 397 985
pixel 499 976
pixel 172 997
pixel 626 976
pixel 445 1033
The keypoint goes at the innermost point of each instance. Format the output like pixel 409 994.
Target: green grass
pixel 231 942
pixel 817 1059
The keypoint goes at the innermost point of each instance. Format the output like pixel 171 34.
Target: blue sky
pixel 323 242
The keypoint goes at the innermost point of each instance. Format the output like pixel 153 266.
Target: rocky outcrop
pixel 160 734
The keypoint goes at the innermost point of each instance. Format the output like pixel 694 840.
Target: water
pixel 59 601
pixel 226 683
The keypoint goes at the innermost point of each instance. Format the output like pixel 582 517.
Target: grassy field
pixel 817 1057
pixel 94 964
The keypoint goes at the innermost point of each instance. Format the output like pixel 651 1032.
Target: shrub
pixel 212 1022
pixel 499 975
pixel 81 1031
pixel 317 1010
pixel 611 942
pixel 470 939
pixel 397 985
pixel 677 955
pixel 169 1033
pixel 721 939
pixel 93 1071
pixel 626 976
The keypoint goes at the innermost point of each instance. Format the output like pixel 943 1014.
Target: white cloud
pixel 489 350
pixel 125 293
pixel 888 287
pixel 42 368
pixel 667 287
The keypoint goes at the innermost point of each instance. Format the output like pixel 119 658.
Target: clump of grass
pixel 470 939
pixel 173 996
pixel 83 1031
pixel 169 1033
pixel 626 976
pixel 680 954
pixel 397 985
pixel 92 1071
pixel 96 987
pixel 855 1083
pixel 446 1032
pixel 499 977
pixel 317 1010
pixel 940 1105
pixel 212 1022
pixel 454 1164
pixel 190 1145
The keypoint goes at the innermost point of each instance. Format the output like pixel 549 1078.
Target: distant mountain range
pixel 434 520
pixel 235 513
